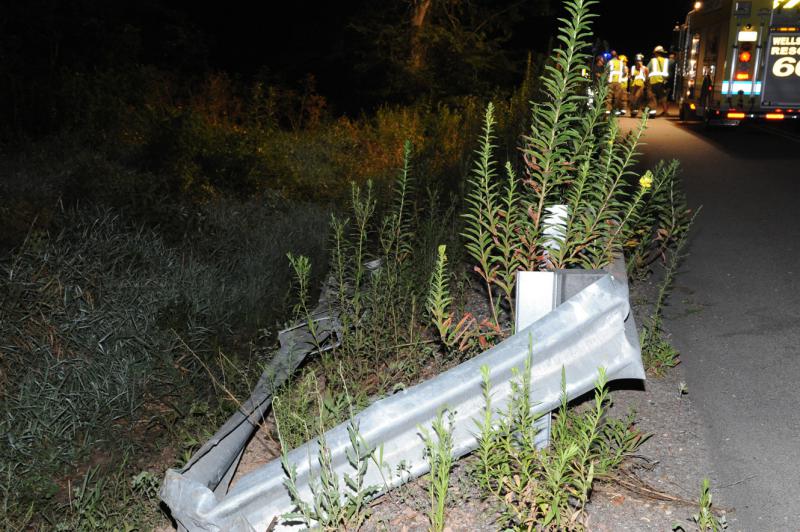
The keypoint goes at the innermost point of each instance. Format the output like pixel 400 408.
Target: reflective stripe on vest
pixel 657 68
pixel 616 71
pixel 638 76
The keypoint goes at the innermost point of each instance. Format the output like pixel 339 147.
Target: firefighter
pixel 658 74
pixel 706 91
pixel 617 72
pixel 626 86
pixel 599 68
pixel 638 80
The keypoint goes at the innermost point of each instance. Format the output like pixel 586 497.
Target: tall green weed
pixel 381 256
pixel 575 198
pixel 548 488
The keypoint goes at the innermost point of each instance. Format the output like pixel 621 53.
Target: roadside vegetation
pixel 571 155
pixel 148 273
pixel 705 520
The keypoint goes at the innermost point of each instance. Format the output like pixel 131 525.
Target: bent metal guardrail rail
pixel 214 464
pixel 588 330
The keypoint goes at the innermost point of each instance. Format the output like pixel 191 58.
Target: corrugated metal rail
pixel 587 330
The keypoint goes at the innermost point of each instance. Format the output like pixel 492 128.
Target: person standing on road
pixel 673 87
pixel 638 80
pixel 617 72
pixel 658 76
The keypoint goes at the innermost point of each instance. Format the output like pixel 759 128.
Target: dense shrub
pixel 97 322
pixel 84 336
pixel 162 214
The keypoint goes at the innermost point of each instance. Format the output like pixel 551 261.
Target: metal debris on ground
pixel 591 327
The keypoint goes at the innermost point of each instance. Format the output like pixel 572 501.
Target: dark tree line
pixel 362 52
pixel 447 48
pixel 46 44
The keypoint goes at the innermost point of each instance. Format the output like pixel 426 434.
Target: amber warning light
pixel 744 57
pixel 787 4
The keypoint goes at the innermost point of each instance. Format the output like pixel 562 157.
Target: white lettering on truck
pixel 786 66
pixel 785 50
pixel 783 41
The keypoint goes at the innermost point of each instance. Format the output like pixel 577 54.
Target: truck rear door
pixel 781 85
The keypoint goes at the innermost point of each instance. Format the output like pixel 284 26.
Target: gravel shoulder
pixel 673 461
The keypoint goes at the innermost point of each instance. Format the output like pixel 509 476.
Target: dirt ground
pixel 670 465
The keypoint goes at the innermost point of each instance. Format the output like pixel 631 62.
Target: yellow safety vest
pixel 616 71
pixel 659 69
pixel 638 76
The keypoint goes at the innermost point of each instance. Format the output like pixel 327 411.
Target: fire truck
pixel 739 61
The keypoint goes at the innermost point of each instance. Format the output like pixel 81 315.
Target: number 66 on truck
pixel 739 61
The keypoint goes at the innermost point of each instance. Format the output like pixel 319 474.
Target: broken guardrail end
pixel 215 463
pixel 586 331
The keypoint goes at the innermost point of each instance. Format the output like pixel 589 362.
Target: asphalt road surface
pixel 735 310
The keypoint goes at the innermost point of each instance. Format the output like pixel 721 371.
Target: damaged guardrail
pixel 214 464
pixel 586 331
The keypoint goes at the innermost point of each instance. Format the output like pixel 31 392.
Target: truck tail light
pixel 774 116
pixel 735 115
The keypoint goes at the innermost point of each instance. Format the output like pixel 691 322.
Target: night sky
pixel 289 40
pixel 278 43
pixel 305 35
pixel 631 27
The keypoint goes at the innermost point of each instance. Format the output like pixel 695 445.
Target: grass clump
pixel 658 354
pixel 463 335
pixel 98 501
pixel 105 326
pixel 665 221
pixel 84 337
pixel 439 453
pixel 548 488
pixel 382 253
pixel 336 503
pixel 705 520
